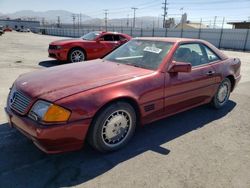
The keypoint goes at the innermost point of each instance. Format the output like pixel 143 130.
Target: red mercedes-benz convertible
pixel 104 100
pixel 90 46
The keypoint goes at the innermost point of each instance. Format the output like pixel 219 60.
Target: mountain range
pixel 66 17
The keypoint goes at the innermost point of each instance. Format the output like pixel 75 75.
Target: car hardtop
pixel 178 41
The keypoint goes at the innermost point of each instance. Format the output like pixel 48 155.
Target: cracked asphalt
pixel 201 147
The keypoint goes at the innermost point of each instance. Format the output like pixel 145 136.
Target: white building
pixel 19 24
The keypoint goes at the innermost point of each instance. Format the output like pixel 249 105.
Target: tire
pixel 76 55
pixel 222 95
pixel 113 127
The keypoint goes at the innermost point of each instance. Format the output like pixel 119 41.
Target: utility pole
pixel 73 18
pixel 134 8
pixel 106 19
pixel 221 32
pixel 43 21
pixel 215 21
pixel 223 22
pixel 80 19
pixel 58 21
pixel 165 13
pixel 78 23
pixel 127 20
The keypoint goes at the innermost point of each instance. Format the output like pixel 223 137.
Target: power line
pixel 118 9
pixel 209 2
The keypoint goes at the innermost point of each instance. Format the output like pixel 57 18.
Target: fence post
pixel 181 29
pixel 245 44
pixel 153 32
pixel 221 32
pixel 199 34
pixel 166 32
pixel 141 32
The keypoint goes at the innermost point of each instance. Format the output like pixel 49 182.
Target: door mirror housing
pixel 180 67
pixel 123 40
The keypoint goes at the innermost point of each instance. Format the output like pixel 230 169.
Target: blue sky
pixel 196 9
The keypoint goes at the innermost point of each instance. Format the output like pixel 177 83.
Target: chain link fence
pixel 235 39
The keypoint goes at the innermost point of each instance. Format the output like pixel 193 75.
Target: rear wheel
pixel 113 127
pixel 76 55
pixel 222 95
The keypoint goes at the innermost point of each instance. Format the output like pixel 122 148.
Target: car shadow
pixel 23 165
pixel 51 63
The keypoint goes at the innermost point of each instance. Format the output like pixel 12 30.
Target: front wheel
pixel 76 55
pixel 222 95
pixel 113 127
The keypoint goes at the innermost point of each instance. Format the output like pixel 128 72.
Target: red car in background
pixel 7 29
pixel 103 100
pixel 90 46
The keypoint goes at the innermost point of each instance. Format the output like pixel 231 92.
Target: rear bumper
pixel 52 138
pixel 60 55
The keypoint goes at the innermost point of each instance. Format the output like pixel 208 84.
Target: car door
pixel 109 43
pixel 122 39
pixel 186 90
pixel 101 46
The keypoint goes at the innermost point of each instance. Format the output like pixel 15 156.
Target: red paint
pixel 7 29
pixel 93 49
pixel 84 88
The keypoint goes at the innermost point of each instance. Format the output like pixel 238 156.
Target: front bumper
pixel 61 55
pixel 237 80
pixel 51 138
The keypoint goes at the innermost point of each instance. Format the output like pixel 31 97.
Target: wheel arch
pixel 232 80
pixel 77 47
pixel 125 99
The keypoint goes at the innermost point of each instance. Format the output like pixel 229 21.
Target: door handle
pixel 209 73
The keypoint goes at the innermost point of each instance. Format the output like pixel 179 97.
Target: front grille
pixel 52 47
pixel 52 55
pixel 18 101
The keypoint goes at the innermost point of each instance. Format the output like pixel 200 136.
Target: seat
pixel 183 55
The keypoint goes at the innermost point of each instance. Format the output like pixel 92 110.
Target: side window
pixel 211 55
pixel 108 38
pixel 116 38
pixel 122 38
pixel 190 53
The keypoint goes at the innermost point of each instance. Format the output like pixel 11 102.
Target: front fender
pixel 86 104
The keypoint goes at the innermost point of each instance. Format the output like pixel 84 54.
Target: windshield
pixel 90 36
pixel 140 53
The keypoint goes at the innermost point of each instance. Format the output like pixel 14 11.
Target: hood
pixel 61 81
pixel 66 41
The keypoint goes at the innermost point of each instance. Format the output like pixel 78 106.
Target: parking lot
pixel 202 147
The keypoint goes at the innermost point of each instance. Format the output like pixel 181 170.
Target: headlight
pixel 48 112
pixel 58 47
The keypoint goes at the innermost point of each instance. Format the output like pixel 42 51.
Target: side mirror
pixel 180 67
pixel 124 40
